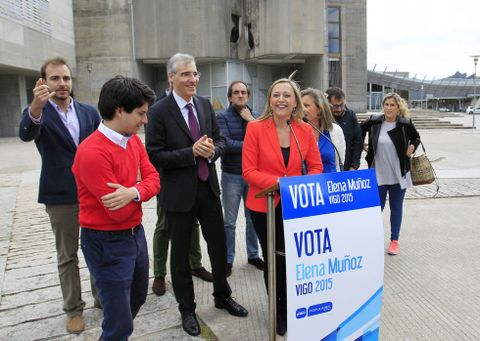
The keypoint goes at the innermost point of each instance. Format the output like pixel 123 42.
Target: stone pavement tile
pixel 31 312
pixel 26 272
pixel 247 286
pixel 39 295
pixel 431 287
pixel 10 179
pixel 37 281
pixel 25 298
pixel 49 327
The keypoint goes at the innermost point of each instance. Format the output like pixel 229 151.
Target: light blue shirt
pixel 69 119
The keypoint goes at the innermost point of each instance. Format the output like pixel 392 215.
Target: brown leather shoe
pixel 203 274
pixel 158 286
pixel 75 324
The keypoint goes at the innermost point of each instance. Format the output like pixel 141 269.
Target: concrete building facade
pixel 256 41
pixel 30 32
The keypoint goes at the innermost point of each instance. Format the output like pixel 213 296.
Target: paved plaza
pixel 431 289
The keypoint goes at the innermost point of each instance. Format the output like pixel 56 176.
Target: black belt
pixel 131 231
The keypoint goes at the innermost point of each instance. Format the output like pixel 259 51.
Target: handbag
pixel 421 170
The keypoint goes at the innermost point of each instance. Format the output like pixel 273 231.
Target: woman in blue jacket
pixel 331 142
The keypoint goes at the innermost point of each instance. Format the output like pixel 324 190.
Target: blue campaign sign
pixel 306 196
pixel 334 255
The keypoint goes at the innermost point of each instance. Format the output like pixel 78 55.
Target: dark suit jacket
pixel 169 146
pixel 57 149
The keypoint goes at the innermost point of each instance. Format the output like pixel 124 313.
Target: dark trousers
pixel 260 223
pixel 160 245
pixel 208 210
pixel 119 264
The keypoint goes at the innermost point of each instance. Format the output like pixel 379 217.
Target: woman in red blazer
pixel 270 152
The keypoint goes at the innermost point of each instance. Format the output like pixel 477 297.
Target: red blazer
pixel 262 160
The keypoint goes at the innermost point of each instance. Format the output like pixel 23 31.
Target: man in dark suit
pixel 161 241
pixel 58 124
pixel 183 141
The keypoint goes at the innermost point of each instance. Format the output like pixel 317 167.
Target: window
pixel 334 73
pixel 334 47
pixel 334 30
pixel 30 13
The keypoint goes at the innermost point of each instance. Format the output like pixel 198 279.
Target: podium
pixel 271 252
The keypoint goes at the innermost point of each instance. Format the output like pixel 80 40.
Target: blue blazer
pixel 57 150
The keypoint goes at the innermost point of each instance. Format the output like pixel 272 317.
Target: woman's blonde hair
pixel 326 117
pixel 297 114
pixel 402 104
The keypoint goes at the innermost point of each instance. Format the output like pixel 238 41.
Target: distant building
pixel 454 93
pixel 256 41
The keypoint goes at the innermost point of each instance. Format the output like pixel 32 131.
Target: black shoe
pixel 257 262
pixel 190 323
pixel 231 306
pixel 229 269
pixel 203 274
pixel 158 286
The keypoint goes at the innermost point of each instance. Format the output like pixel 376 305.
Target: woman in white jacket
pixel 319 115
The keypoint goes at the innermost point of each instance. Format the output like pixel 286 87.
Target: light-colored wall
pixel 103 43
pixel 200 28
pixel 26 48
pixel 288 26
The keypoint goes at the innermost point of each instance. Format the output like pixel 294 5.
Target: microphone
pixel 304 164
pixel 340 163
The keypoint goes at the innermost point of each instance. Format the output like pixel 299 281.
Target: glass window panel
pixel 251 72
pixel 333 14
pixel 333 31
pixel 219 76
pixel 235 72
pixel 219 98
pixel 334 45
pixel 203 88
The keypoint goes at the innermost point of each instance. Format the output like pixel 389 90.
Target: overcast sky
pixel 432 38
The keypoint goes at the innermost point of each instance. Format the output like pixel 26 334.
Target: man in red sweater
pixel 113 176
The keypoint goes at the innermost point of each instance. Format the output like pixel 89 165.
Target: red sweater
pixel 98 160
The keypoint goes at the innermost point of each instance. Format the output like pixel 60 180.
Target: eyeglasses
pixel 337 106
pixel 189 75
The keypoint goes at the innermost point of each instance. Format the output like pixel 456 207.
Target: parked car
pixel 476 110
pixel 469 110
pixel 444 109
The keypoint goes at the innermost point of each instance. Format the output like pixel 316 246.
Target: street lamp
pixel 421 97
pixel 475 61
